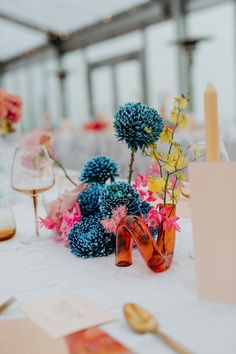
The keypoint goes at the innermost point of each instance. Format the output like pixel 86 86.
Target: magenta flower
pixel 150 197
pixel 140 181
pixel 155 168
pixel 170 223
pixel 63 213
pixel 154 218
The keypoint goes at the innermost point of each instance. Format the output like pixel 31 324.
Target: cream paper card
pixel 64 315
pixel 213 207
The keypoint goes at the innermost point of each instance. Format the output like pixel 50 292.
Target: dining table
pixel 35 268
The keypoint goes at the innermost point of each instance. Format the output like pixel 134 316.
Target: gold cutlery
pixel 5 305
pixel 141 321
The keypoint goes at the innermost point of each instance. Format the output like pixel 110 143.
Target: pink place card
pixel 67 314
pixel 213 205
pixel 23 336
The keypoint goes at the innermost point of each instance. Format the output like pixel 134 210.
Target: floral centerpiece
pixel 103 210
pixel 10 111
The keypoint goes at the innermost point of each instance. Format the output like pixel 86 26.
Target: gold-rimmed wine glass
pixel 32 173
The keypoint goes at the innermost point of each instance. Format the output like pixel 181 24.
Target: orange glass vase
pixel 166 238
pixel 157 255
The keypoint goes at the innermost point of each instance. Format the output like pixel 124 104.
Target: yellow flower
pixel 166 135
pixel 171 162
pixel 181 176
pixel 183 122
pixel 174 116
pixel 181 163
pixel 182 102
pixel 155 155
pixel 157 185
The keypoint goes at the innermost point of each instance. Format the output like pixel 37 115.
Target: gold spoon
pixel 141 321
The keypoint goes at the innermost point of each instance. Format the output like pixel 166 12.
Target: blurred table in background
pixel 74 147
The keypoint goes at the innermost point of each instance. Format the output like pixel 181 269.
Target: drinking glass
pixel 196 152
pixel 32 173
pixel 7 220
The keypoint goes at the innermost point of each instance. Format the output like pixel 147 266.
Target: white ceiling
pixel 58 16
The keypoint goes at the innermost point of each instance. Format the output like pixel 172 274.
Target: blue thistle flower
pixel 145 207
pixel 88 238
pixel 138 125
pixel 99 169
pixel 88 199
pixel 117 194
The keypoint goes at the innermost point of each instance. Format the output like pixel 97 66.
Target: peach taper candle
pixel 211 124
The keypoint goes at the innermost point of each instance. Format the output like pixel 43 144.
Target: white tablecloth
pixel 42 268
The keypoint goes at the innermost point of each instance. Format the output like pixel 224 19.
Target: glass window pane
pixel 214 59
pixel 129 86
pixel 103 91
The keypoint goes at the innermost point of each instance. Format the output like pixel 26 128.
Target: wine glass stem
pixel 35 201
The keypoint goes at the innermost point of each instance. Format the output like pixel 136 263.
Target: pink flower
pixel 140 181
pixel 110 225
pixel 160 216
pixel 170 223
pixel 154 218
pixel 155 168
pixel 10 107
pixel 39 136
pixel 63 213
pixel 150 197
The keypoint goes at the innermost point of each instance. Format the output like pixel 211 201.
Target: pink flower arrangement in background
pixel 62 214
pixel 39 136
pixel 10 111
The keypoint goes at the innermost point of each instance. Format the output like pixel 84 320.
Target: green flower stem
pixel 131 165
pixel 64 170
pixel 165 189
pixel 170 148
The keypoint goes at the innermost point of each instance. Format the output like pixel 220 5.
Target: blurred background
pixel 74 62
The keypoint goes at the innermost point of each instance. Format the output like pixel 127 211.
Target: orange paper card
pixel 213 203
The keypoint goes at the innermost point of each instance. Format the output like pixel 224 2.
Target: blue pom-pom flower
pixel 145 207
pixel 88 238
pixel 117 194
pixel 88 199
pixel 137 125
pixel 99 169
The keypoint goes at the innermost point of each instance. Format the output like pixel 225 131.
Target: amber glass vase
pixel 166 238
pixel 132 229
pixel 157 255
